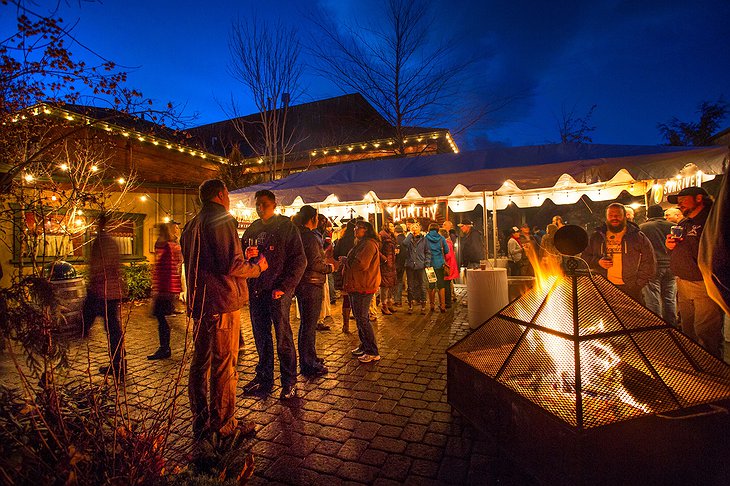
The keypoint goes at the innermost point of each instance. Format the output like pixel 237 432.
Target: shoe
pixel 397 304
pixel 423 309
pixel 385 311
pixel 321 326
pixel 442 309
pixel 316 371
pixel 410 308
pixel 357 351
pixel 433 308
pixel 367 358
pixel 392 309
pixel 256 386
pixel 288 392
pixel 161 353
pixel 107 370
pixel 372 317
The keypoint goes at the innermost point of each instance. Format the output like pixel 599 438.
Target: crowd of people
pixel 279 259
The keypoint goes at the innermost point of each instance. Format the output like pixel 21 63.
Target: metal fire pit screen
pixel 585 352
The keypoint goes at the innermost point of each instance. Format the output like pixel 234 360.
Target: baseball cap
pixel 687 191
pixel 466 222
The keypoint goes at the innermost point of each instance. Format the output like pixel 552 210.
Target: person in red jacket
pixel 166 286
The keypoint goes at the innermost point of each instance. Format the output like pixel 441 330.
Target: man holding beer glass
pixel 701 317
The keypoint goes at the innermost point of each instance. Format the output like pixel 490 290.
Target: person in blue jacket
pixel 438 248
pixel 419 257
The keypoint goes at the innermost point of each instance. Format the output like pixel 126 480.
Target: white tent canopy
pixel 525 176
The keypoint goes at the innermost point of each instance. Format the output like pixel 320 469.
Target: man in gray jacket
pixel 216 273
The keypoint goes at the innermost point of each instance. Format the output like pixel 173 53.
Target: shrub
pixel 138 280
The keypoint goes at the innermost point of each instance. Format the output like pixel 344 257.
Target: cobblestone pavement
pixel 377 423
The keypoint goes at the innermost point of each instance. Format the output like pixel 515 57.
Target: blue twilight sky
pixel 640 61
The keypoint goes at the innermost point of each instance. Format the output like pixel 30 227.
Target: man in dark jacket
pixel 660 293
pixel 277 238
pixel 216 272
pixel 419 257
pixel 401 255
pixel 701 316
pixel 310 292
pixel 619 251
pixel 471 245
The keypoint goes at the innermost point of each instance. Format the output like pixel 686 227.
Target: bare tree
pixel 698 133
pixel 410 77
pixel 574 129
pixel 265 59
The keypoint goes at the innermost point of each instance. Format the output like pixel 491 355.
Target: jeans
pixel 660 295
pixel 309 298
pixel 331 285
pixel 213 368
pixel 399 272
pixel 266 312
pixel 109 311
pixel 416 288
pixel 360 306
pixel 701 316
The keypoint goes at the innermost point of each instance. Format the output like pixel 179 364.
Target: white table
pixel 486 292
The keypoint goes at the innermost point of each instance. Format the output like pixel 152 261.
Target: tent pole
pixel 494 227
pixel 486 226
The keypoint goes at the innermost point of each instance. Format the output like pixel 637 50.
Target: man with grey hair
pixel 216 274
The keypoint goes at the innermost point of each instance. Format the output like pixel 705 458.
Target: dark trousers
pixel 162 307
pixel 109 311
pixel 448 289
pixel 416 289
pixel 265 313
pixel 360 307
pixel 309 299
pixel 399 276
pixel 213 369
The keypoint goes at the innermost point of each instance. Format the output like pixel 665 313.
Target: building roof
pixel 338 121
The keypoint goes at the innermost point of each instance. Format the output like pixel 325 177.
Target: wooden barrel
pixel 70 294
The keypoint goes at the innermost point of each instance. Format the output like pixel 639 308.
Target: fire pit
pixel 583 385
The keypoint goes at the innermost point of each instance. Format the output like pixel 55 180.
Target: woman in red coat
pixel 453 269
pixel 166 285
pixel 388 279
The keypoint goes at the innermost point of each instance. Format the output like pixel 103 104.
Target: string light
pixel 94 168
pixel 63 167
pixel 166 219
pixel 143 198
pixel 121 180
pixel 28 177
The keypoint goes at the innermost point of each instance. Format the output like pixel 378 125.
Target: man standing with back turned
pixel 216 273
pixel 277 238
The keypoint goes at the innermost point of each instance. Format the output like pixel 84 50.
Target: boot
pixel 384 309
pixel 346 321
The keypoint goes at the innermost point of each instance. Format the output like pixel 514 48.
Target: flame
pixel 599 362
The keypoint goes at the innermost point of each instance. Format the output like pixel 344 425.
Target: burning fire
pixel 601 368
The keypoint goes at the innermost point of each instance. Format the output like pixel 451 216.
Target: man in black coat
pixel 660 293
pixel 277 238
pixel 471 245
